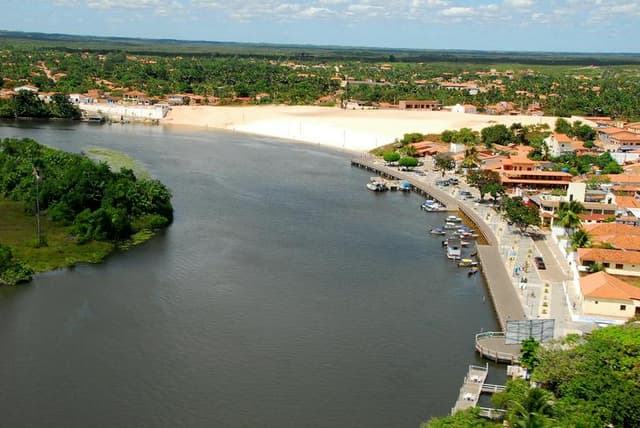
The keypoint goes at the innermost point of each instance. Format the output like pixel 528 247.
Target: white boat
pixel 376 186
pixel 449 226
pixel 453 219
pixel 454 249
pixel 437 231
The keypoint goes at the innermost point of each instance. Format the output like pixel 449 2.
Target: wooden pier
pixel 425 189
pixel 474 385
pixel 471 388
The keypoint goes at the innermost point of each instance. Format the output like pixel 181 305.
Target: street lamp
pixel 37 178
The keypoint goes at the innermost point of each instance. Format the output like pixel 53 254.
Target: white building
pixel 559 144
pixel 464 108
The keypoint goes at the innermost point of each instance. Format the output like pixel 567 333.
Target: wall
pixel 121 112
pixel 608 308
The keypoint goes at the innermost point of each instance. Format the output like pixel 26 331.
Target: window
pixel 623 307
pixel 606 265
pixel 619 266
pixel 596 302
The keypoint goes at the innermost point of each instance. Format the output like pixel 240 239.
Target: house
pixel 625 141
pixel 606 295
pixel 419 105
pixel 633 127
pixel 46 96
pixel 615 262
pixel 619 236
pixel 29 88
pixel 464 108
pixel 559 144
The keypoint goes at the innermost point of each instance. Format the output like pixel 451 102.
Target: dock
pixel 425 189
pixel 473 386
pixel 492 345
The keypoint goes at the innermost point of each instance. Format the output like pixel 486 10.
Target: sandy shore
pixel 353 130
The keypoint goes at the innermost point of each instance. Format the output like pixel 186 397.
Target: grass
pixel 117 161
pixel 18 230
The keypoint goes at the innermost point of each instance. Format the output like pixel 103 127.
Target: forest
pixel 558 84
pixel 88 199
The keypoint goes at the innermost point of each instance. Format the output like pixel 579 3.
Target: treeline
pixel 589 381
pixel 303 78
pixel 27 104
pixel 93 201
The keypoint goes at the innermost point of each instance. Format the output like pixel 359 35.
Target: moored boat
pixel 467 263
pixel 453 219
pixel 437 231
pixel 454 248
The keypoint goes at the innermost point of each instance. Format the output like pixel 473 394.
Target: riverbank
pixel 352 130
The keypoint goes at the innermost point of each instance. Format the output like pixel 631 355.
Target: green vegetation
pixel 444 163
pixel 118 161
pixel 486 181
pixel 27 104
pixel 588 381
pixel 520 214
pixel 85 208
pixel 408 162
pixel 556 83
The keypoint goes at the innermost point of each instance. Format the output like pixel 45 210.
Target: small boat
pixel 405 186
pixel 453 219
pixel 434 208
pixel 449 225
pixel 467 263
pixel 376 187
pixel 437 231
pixel 454 249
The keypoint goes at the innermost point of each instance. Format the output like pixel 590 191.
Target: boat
pixel 434 208
pixel 472 271
pixel 405 186
pixel 376 186
pixel 449 225
pixel 454 248
pixel 453 219
pixel 467 263
pixel 437 231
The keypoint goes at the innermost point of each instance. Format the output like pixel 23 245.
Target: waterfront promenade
pixel 518 290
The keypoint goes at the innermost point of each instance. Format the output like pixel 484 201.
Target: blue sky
pixel 531 25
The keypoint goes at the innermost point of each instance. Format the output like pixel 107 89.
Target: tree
pixel 520 214
pixel 594 374
pixel 562 126
pixel 390 157
pixel 444 163
pixel 580 239
pixel 529 348
pixel 408 162
pixel 61 107
pixel 482 179
pixel 471 159
pixel 410 150
pixel 568 215
pixel 27 104
pixel 496 134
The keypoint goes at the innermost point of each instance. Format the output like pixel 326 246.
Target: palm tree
pixel 569 215
pixel 534 411
pixel 471 159
pixel 580 239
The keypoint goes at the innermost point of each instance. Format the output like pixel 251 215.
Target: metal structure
pixel 540 330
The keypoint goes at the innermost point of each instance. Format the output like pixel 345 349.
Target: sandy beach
pixel 352 130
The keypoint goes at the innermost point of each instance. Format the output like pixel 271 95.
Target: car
pixel 454 181
pixel 539 263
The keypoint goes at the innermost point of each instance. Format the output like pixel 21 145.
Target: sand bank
pixel 353 130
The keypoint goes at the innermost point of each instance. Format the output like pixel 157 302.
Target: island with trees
pixel 58 209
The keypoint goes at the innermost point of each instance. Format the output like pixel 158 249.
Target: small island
pixel 58 209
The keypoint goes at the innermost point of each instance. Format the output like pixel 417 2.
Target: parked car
pixel 454 181
pixel 539 263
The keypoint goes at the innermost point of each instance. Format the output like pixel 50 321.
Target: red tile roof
pixel 601 285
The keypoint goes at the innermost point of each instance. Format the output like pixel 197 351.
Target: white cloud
pixel 458 11
pixel 520 4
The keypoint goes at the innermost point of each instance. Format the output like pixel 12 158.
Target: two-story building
pixel 559 144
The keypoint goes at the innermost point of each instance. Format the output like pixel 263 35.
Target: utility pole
pixel 37 178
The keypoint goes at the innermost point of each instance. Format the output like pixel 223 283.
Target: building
pixel 29 88
pixel 606 295
pixel 615 262
pixel 419 105
pixel 464 108
pixel 559 144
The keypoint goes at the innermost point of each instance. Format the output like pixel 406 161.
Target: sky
pixel 503 25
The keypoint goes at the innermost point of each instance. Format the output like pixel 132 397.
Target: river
pixel 283 295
